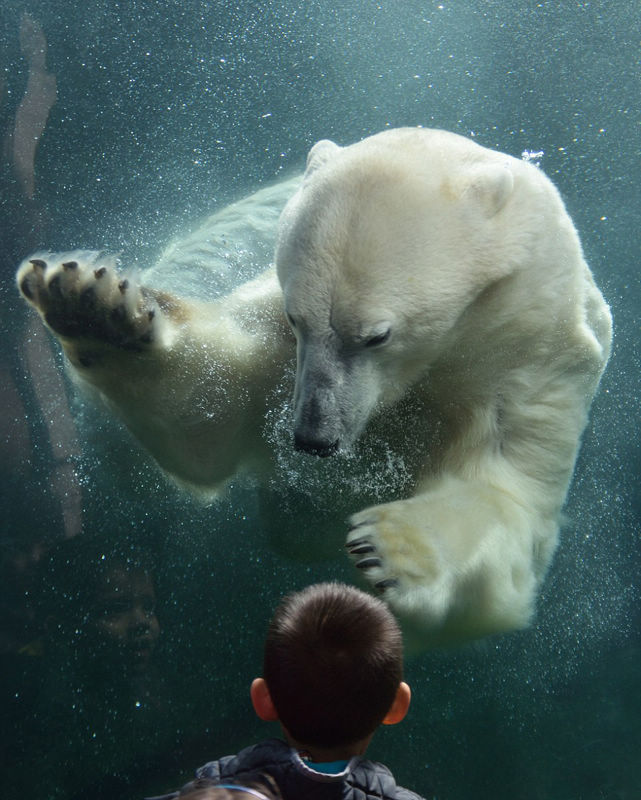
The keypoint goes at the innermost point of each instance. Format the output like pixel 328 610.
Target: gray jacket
pixel 361 779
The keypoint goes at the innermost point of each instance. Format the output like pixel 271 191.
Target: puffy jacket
pixel 360 780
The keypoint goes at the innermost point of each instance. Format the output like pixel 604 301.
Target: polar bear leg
pixel 463 557
pixel 191 380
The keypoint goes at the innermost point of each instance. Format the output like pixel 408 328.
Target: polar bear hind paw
pixel 83 296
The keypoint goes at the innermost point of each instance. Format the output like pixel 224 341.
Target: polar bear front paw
pixel 82 296
pixel 393 550
pixel 456 561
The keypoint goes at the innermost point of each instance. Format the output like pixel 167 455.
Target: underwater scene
pixel 150 147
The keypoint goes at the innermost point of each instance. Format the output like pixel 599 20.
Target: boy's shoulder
pixel 250 759
pixel 296 778
pixel 376 780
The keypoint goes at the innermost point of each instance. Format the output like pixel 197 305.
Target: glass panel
pixel 134 609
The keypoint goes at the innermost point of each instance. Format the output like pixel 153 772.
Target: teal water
pixel 164 112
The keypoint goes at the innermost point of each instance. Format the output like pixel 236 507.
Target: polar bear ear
pixel 490 185
pixel 320 154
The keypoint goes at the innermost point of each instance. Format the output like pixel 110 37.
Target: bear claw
pixel 356 543
pixel 368 563
pixel 361 549
pixel 386 583
pixel 364 546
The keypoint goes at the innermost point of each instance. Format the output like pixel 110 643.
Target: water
pixel 164 113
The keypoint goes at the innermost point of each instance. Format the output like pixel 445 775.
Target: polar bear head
pixel 380 253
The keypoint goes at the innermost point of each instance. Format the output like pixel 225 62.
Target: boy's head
pixel 333 667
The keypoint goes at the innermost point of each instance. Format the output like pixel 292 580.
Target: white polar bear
pixel 437 291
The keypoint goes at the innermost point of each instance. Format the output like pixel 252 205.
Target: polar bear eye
pixel 379 338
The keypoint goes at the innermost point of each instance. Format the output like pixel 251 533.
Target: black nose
pixel 316 447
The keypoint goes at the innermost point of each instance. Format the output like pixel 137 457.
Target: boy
pixel 332 674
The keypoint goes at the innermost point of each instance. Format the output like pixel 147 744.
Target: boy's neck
pixel 323 755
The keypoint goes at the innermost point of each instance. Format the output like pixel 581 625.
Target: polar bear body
pixel 436 291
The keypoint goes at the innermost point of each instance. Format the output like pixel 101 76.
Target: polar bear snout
pixel 315 428
pixel 333 398
pixel 315 446
pixel 318 422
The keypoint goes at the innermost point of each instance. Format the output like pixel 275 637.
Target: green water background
pixel 166 111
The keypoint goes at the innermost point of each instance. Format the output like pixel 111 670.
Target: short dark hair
pixel 333 664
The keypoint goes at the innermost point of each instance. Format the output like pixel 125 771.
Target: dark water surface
pixel 164 112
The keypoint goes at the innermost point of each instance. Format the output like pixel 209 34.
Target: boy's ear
pixel 399 707
pixel 262 701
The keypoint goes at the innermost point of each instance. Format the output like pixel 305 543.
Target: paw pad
pixel 84 297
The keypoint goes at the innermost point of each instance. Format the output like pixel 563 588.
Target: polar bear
pixel 431 289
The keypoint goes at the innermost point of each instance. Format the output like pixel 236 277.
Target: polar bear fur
pixel 425 279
